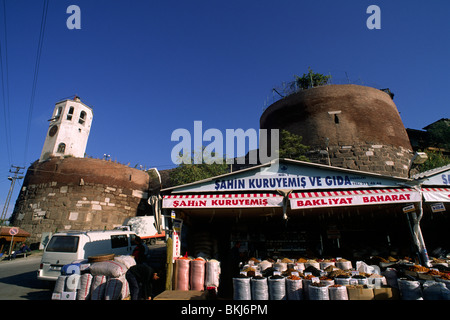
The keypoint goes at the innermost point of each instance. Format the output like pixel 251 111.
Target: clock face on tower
pixel 53 130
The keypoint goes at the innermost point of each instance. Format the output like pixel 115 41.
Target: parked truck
pixel 144 227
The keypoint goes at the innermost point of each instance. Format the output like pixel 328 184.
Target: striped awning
pixel 303 200
pixel 251 200
pixel 436 194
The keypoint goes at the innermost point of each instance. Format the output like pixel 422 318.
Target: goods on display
pixel 182 274
pixel 212 273
pixel 196 274
pixel 85 287
pixel 277 287
pixel 294 288
pixel 242 288
pixel 98 287
pixel 318 291
pixel 260 288
pixel 94 279
pixel 337 292
pixel 311 279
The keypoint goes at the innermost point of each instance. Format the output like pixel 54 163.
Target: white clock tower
pixel 68 130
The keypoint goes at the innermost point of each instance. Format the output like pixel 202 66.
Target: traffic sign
pixel 13 231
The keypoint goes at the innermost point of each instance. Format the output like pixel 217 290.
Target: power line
pixel 11 188
pixel 36 73
pixel 5 95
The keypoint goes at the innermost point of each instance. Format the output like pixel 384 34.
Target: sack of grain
pixel 318 291
pixel 344 264
pixel 182 274
pixel 337 292
pixel 127 261
pixel 294 288
pixel 72 282
pixel 410 290
pixel 108 268
pixel 84 290
pixel 212 273
pixel 280 266
pixel 115 288
pixel 259 288
pixel 98 287
pixel 197 274
pixel 435 291
pixel 277 288
pixel 325 264
pixel 60 284
pixel 391 277
pixel 242 289
pixel 265 264
pixel 312 263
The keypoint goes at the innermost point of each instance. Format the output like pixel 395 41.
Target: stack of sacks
pixel 196 274
pixel 109 282
pixel 103 280
pixel 71 277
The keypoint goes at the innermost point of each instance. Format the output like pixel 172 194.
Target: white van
pixel 66 247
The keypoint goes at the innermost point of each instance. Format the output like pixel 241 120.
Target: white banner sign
pixel 289 177
pixel 352 198
pixel 223 201
pixel 436 194
pixel 441 179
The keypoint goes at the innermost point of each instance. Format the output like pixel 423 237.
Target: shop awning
pixel 303 200
pixel 253 200
pixel 436 194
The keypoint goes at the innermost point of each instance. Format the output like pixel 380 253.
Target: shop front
pixel 293 209
pixel 435 215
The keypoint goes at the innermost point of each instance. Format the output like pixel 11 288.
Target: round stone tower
pixel 71 193
pixel 349 126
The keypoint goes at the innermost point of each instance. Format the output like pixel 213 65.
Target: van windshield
pixel 63 244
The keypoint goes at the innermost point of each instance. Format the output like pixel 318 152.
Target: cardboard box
pixel 359 293
pixel 386 293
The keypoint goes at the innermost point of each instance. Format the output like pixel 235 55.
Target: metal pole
pixel 11 245
pixel 5 207
pixel 418 232
pixel 11 188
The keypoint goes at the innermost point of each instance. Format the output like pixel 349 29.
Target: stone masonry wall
pixel 382 159
pixel 50 207
pixel 79 194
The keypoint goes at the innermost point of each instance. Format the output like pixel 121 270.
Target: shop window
pixel 70 114
pixel 82 119
pixel 61 148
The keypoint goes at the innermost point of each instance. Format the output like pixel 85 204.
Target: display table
pixel 182 295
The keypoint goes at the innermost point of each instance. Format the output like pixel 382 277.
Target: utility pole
pixel 13 179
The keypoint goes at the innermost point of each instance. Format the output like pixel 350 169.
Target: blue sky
pixel 149 67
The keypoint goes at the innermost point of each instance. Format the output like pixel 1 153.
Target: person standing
pixel 139 251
